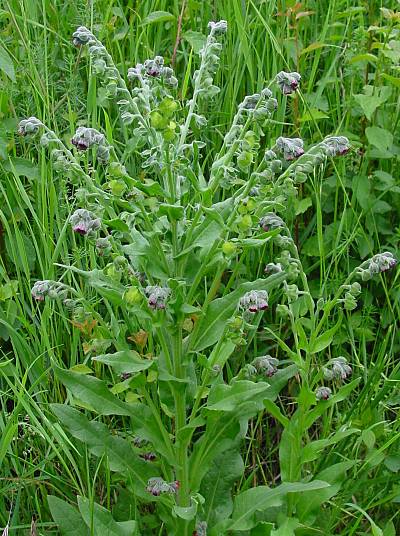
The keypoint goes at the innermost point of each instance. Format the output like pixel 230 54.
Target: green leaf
pixel 370 101
pixel 224 397
pixel 158 16
pixel 391 79
pixel 303 205
pixel 81 369
pixel 22 166
pixel 256 499
pixel 68 519
pixel 313 115
pixel 217 485
pixel 195 39
pixel 124 361
pixel 120 454
pixel 6 64
pixel 186 512
pixel 393 463
pixel 117 224
pixel 103 522
pixel 213 323
pixel 381 138
pixel 93 392
pixel 173 212
pixel 287 528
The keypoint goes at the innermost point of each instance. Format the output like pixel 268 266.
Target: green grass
pixel 352 213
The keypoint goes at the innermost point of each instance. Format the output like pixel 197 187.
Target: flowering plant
pixel 182 315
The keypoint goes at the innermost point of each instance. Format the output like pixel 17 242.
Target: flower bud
pixel 254 301
pixel 156 486
pixel 335 145
pixel 157 296
pixel 291 148
pixel 266 365
pixel 84 222
pixel 271 221
pixel 288 82
pixel 229 248
pixel 323 393
pixel 245 222
pixel 103 246
pixel 338 369
pixel 29 127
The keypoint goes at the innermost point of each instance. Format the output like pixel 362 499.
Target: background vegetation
pixel 348 54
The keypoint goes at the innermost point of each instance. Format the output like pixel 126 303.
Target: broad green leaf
pixel 6 64
pixel 195 39
pixel 395 81
pixel 217 485
pixel 186 512
pixel 158 16
pixel 313 115
pixel 22 166
pixel 371 100
pixel 259 498
pixel 309 505
pixel 213 323
pixel 287 528
pixel 120 454
pixel 103 522
pixel 393 463
pixel 82 369
pixel 68 519
pixel 224 397
pixel 303 205
pixel 125 361
pixel 93 392
pixel 381 138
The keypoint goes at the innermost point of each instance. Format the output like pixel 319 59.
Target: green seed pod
pixel 116 170
pixel 229 248
pixel 116 187
pixel 168 106
pixel 245 222
pixel 133 296
pixel 158 121
pixel 244 160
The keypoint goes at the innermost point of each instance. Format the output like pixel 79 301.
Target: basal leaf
pixel 68 519
pixel 125 361
pixel 101 520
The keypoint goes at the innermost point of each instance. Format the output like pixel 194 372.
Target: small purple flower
pixel 335 146
pixel 157 296
pixel 49 288
pixel 266 365
pixel 84 222
pixel 291 148
pixel 340 370
pixel 254 301
pixel 154 68
pixel 271 221
pixel 148 456
pixel 288 82
pixel 323 393
pixel 82 36
pixel 156 486
pixel 29 126
pixel 381 262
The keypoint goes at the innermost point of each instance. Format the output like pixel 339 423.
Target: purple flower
pixel 157 296
pixel 291 148
pixel 288 82
pixel 156 486
pixel 84 222
pixel 339 370
pixel 266 365
pixel 323 393
pixel 255 300
pixel 335 145
pixel 271 221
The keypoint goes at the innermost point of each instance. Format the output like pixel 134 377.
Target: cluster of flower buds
pixel 149 456
pixel 291 148
pixel 85 138
pixel 84 222
pixel 49 288
pixel 335 145
pixel 381 262
pixel 157 296
pixel 338 369
pixel 254 301
pixel 156 486
pixel 29 127
pixel 266 365
pixel 261 105
pixel 271 221
pixel 273 268
pixel 103 246
pixel 210 55
pixel 201 529
pixel 153 69
pixel 323 393
pixel 288 82
pixel 352 291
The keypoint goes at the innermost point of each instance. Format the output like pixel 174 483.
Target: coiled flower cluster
pixel 381 262
pixel 254 301
pixel 29 127
pixel 157 296
pixel 266 365
pixel 49 288
pixel 85 138
pixel 338 369
pixel 271 221
pixel 288 82
pixel 84 222
pixel 291 148
pixel 157 486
